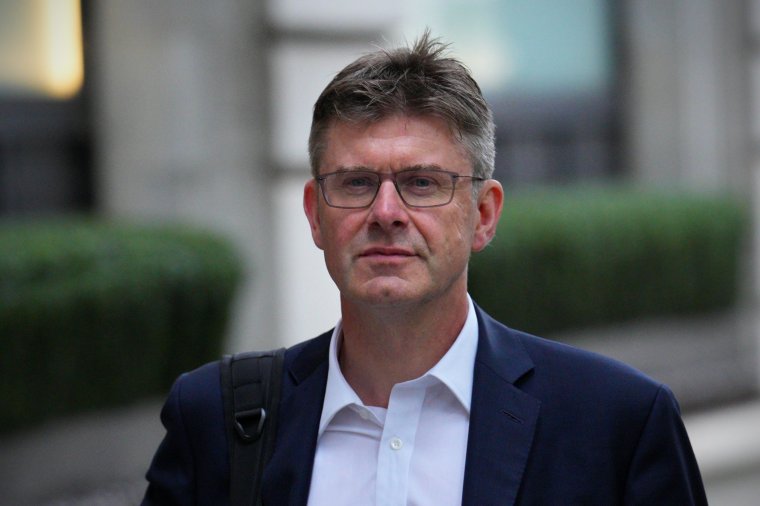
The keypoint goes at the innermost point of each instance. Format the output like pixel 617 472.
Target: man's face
pixel 389 253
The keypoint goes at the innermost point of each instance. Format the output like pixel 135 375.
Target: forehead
pixel 393 143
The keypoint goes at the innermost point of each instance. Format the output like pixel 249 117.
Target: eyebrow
pixel 363 168
pixel 353 168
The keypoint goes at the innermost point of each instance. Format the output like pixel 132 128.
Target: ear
pixel 311 208
pixel 490 202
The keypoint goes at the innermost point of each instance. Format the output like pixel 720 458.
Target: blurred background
pixel 153 155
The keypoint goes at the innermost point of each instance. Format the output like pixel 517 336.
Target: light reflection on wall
pixel 41 51
pixel 535 47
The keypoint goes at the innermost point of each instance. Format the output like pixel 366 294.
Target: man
pixel 417 396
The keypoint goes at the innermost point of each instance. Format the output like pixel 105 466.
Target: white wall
pixel 180 120
pixel 685 74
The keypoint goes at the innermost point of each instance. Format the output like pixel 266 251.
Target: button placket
pixel 397 446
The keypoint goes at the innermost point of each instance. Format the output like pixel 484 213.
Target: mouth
pixel 386 253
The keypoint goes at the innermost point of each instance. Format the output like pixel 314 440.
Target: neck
pixel 383 346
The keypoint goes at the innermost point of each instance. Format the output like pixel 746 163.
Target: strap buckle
pixel 254 420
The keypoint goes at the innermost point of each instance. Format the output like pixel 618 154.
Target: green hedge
pixel 572 258
pixel 96 314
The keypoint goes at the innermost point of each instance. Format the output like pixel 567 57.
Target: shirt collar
pixel 455 370
pixel 456 367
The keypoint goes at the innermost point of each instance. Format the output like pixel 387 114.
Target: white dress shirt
pixel 412 453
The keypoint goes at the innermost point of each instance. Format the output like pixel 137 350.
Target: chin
pixel 386 294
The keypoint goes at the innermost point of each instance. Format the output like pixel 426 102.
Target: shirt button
pixel 396 443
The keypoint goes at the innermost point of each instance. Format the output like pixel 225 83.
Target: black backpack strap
pixel 251 387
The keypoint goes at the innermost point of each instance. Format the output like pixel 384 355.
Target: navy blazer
pixel 549 425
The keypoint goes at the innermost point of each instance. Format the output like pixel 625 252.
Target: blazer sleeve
pixel 664 469
pixel 191 465
pixel 170 476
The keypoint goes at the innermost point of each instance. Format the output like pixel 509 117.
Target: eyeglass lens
pixel 419 188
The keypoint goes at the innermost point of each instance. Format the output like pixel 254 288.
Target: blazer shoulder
pixel 201 388
pixel 197 396
pixel 564 369
pixel 570 358
pixel 204 380
pixel 302 359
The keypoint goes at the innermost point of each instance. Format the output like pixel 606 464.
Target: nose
pixel 388 210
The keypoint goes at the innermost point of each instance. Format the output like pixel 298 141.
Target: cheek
pixel 461 236
pixel 449 236
pixel 338 234
pixel 461 224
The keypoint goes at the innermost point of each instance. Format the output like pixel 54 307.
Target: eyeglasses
pixel 356 189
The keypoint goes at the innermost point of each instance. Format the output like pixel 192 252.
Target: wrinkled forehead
pixel 393 143
pixel 429 130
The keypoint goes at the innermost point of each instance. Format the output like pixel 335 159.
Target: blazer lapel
pixel 502 421
pixel 502 418
pixel 287 477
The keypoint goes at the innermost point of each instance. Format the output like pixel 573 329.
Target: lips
pixel 385 251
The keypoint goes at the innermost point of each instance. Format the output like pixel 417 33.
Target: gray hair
pixel 419 80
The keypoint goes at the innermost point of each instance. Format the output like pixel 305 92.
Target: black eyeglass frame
pixel 381 177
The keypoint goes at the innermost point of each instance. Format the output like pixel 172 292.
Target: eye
pixel 422 182
pixel 355 183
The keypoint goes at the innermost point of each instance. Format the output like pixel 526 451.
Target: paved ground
pixel 727 445
pixel 94 459
pixel 128 493
pixel 100 458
